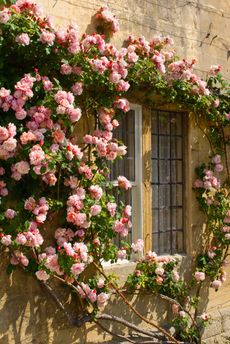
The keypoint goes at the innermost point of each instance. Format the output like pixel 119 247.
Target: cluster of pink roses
pixel 107 17
pixel 65 102
pixel 23 91
pixel 39 209
pixel 123 225
pixel 8 143
pixel 86 292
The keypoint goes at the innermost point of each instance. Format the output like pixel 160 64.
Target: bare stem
pixel 112 333
pixel 168 335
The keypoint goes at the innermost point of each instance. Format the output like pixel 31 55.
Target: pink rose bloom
pixel 20 114
pixel 122 104
pixel 150 255
pixel 214 69
pixel 111 207
pixel 95 192
pixel 216 159
pixel 66 69
pixel 123 183
pixel 121 150
pixel 159 280
pixel 9 144
pixel 128 211
pixel 27 137
pixel 121 254
pixel 58 136
pixel 175 276
pixel 120 228
pixel 199 276
pixel 21 239
pixel 226 229
pixel 10 213
pixel 4 134
pixel 74 114
pixel 30 204
pixel 47 37
pixel 22 167
pixel 36 155
pixel 100 283
pixel 137 246
pixel 77 268
pixel 219 168
pixel 159 271
pixel 182 314
pixel 77 88
pixel 95 210
pixel 227 236
pixel 204 316
pixel 6 240
pixel 42 275
pixel 92 295
pixel 216 284
pixel 114 77
pixel 4 16
pixel 23 39
pixel 102 299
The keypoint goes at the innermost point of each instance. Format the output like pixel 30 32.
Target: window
pixel 130 133
pixel 167 156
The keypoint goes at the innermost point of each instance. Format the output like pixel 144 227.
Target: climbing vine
pixel 61 97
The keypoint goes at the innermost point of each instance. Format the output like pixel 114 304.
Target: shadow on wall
pixel 29 315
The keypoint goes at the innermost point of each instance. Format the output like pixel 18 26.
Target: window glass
pixel 167 181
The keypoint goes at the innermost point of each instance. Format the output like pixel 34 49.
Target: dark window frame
pixel 174 246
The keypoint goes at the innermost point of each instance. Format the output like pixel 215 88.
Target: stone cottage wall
pixel 200 29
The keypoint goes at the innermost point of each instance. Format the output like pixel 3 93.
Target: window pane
pixel 164 123
pixel 155 196
pixel 167 181
pixel 164 171
pixel 154 146
pixel 164 147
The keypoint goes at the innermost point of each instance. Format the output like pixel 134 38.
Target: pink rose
pixel 95 210
pixel 23 39
pixel 6 240
pixel 77 268
pixel 102 299
pixel 216 284
pixel 42 275
pixel 95 192
pixel 121 254
pixel 123 183
pixel 10 213
pixel 137 246
pixel 66 69
pixel 47 37
pixel 199 276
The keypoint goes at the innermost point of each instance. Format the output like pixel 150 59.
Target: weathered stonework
pixel 200 29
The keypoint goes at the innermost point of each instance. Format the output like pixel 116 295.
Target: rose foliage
pixel 61 97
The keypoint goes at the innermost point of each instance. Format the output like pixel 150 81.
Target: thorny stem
pixel 109 317
pixel 176 302
pixel 168 335
pixel 89 317
pixel 112 333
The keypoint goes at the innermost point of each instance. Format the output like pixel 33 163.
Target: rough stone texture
pixel 200 29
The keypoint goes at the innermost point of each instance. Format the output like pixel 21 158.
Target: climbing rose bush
pixel 61 99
